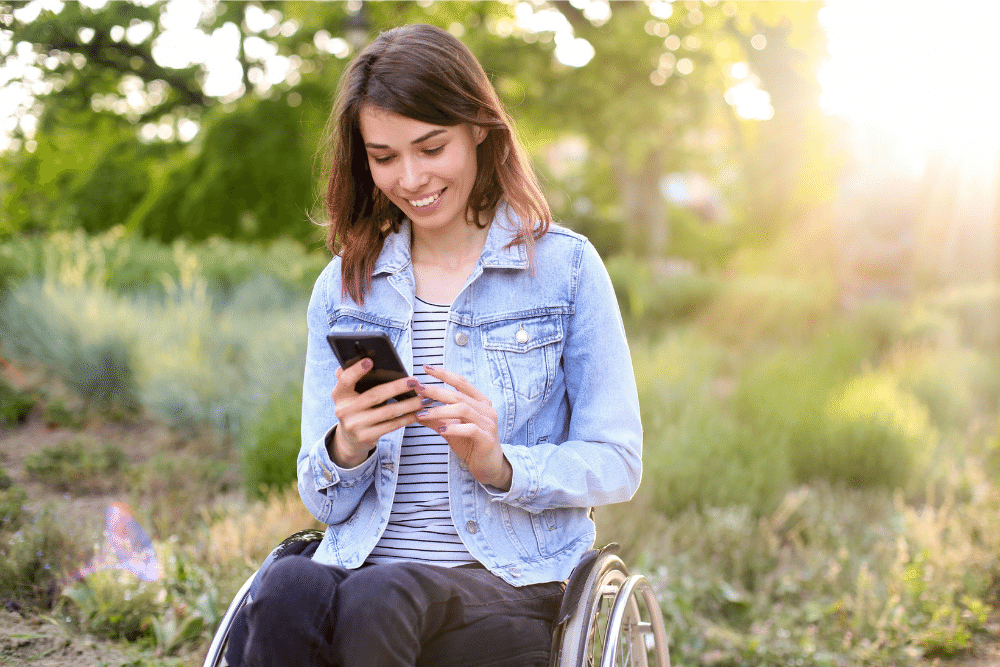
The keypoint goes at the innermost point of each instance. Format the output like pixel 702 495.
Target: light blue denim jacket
pixel 565 396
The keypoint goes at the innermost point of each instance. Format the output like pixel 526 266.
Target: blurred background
pixel 799 206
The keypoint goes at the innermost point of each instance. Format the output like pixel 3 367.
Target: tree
pixel 651 100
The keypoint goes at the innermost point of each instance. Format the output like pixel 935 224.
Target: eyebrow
pixel 418 140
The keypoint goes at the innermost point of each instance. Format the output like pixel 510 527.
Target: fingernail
pixel 411 383
pixel 421 414
pixel 442 429
pixel 366 364
pixel 428 367
pixel 426 400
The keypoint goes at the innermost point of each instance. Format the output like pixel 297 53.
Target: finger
pixel 383 392
pixel 456 381
pixel 460 412
pixel 348 377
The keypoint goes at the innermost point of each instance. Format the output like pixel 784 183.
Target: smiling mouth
pixel 426 201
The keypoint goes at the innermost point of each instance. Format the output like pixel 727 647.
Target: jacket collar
pixel 395 255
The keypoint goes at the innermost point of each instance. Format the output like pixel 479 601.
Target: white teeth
pixel 426 201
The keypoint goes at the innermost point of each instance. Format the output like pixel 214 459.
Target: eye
pixel 434 151
pixel 381 159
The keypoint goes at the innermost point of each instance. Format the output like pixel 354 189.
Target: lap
pixel 449 617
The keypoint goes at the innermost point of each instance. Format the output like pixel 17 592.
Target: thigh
pixel 411 613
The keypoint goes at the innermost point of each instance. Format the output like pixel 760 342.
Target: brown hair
pixel 424 73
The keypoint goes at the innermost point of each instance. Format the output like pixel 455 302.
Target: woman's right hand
pixel 362 419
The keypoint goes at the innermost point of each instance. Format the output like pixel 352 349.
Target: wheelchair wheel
pixel 610 627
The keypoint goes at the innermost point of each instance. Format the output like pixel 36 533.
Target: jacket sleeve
pixel 330 492
pixel 600 462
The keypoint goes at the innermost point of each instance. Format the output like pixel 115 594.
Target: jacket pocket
pixel 524 352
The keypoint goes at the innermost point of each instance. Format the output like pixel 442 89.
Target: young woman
pixel 464 508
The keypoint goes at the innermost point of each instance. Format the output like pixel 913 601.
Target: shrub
pixel 48 326
pixel 177 490
pixel 766 309
pixel 12 499
pixel 271 443
pixel 35 560
pixel 649 296
pixel 15 405
pixel 79 465
pixel 114 604
pixel 875 434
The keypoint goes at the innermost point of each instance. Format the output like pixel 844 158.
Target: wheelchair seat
pixel 607 616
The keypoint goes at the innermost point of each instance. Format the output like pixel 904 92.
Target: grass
pixel 819 487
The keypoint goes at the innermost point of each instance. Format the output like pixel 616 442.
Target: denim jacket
pixel 547 346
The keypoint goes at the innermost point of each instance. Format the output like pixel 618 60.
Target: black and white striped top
pixel 420 525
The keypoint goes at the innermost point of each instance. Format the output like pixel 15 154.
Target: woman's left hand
pixel 468 423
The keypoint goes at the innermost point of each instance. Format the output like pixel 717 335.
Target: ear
pixel 479 133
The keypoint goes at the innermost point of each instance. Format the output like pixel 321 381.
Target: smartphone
pixel 352 347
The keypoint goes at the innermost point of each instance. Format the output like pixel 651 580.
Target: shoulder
pixel 327 290
pixel 563 245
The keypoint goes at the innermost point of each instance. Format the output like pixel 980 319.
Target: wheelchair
pixel 608 617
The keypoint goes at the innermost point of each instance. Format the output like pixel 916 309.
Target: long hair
pixel 426 74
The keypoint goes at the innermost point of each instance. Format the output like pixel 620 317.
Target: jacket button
pixel 472 527
pixel 328 475
pixel 514 572
pixel 461 338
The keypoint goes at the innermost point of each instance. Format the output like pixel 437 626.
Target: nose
pixel 412 176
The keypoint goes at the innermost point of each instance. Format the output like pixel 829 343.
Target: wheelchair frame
pixel 608 616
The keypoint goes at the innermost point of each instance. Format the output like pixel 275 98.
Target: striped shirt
pixel 420 524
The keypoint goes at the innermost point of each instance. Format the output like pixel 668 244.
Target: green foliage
pixel 79 465
pixel 113 604
pixel 12 499
pixel 649 298
pixel 97 364
pixel 767 309
pixel 228 189
pixel 35 559
pixel 177 489
pixel 826 577
pixel 15 404
pixel 875 434
pixel 271 443
pixel 175 610
pixel 127 264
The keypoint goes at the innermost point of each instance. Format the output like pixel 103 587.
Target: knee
pixel 290 588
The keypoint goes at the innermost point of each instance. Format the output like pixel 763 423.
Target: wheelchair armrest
pixel 577 584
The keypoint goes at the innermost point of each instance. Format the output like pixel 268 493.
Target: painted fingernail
pixel 366 364
pixel 421 414
pixel 411 383
pixel 442 429
pixel 426 400
pixel 428 367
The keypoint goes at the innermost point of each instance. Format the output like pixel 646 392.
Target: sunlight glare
pixel 920 70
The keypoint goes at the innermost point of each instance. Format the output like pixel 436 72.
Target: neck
pixel 448 249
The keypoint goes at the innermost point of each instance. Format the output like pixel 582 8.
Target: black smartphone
pixel 352 347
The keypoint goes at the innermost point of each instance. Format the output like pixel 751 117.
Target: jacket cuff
pixel 326 473
pixel 524 480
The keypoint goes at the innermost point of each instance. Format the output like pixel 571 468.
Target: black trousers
pixel 399 615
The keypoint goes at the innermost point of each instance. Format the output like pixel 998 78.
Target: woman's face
pixel 426 170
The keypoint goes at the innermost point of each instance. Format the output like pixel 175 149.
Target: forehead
pixel 382 127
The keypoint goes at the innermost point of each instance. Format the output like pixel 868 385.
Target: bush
pixel 177 490
pixel 768 310
pixel 15 405
pixel 39 323
pixel 78 465
pixel 271 443
pixel 655 297
pixel 35 560
pixel 875 434
pixel 12 499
